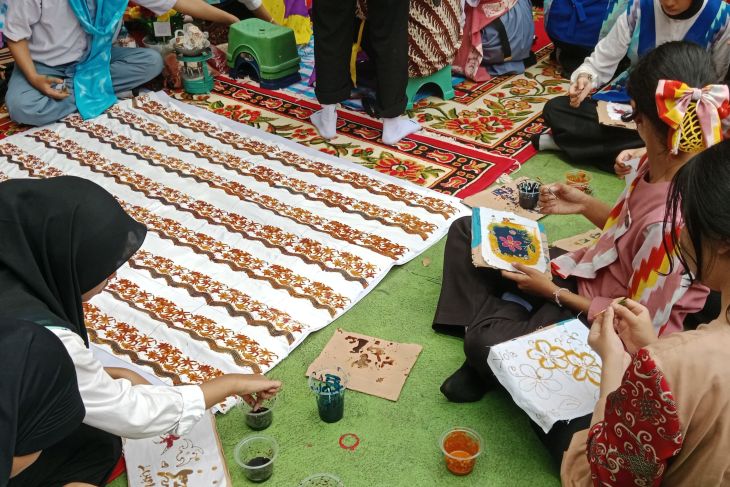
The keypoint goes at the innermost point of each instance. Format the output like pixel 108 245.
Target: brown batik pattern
pixel 242 349
pixel 30 163
pixel 302 216
pixel 350 266
pixel 272 152
pixel 320 295
pixel 333 199
pixel 215 293
pixel 165 359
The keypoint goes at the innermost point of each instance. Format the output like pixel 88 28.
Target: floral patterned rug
pixel 426 158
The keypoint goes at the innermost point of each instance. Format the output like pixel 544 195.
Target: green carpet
pixel 399 441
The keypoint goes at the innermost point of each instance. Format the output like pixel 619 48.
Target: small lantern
pixel 195 75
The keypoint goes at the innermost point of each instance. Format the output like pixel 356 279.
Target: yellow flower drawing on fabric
pixel 585 367
pixel 548 356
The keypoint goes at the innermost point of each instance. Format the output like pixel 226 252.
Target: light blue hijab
pixel 93 87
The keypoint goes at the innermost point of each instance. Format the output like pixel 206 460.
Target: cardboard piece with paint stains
pixel 376 366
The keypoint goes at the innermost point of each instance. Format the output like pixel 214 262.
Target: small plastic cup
pixel 461 447
pixel 322 480
pixel 528 194
pixel 256 455
pixel 261 418
pixel 579 179
pixel 329 387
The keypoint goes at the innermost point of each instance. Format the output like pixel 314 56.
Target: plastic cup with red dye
pixel 461 447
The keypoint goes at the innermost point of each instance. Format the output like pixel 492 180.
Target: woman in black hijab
pixel 61 239
pixel 42 440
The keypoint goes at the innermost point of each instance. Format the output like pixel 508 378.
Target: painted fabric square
pixel 552 374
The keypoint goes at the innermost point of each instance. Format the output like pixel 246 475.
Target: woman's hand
pixel 580 89
pixel 561 199
pixel 531 281
pixel 633 324
pixel 603 338
pixel 621 167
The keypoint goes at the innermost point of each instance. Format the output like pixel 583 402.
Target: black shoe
pixel 464 385
pixel 535 141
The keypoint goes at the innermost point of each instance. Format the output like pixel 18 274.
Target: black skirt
pixel 89 455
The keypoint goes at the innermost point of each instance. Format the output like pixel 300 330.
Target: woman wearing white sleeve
pixel 62 239
pixel 645 25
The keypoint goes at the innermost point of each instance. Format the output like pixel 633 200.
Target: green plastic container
pixel 195 75
pixel 272 46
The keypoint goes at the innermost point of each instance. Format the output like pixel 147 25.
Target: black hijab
pixel 40 402
pixel 59 238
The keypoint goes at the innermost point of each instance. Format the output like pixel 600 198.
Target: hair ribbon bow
pixel 674 100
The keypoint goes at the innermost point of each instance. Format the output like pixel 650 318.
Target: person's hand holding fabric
pixel 531 281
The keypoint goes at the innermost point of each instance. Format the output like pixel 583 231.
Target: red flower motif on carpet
pixel 496 124
pixel 303 133
pixel 464 126
pixel 399 168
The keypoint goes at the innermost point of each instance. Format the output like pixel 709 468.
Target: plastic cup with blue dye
pixel 329 387
pixel 260 418
pixel 529 194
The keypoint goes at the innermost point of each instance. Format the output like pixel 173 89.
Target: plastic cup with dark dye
pixel 261 418
pixel 322 480
pixel 528 194
pixel 461 447
pixel 256 456
pixel 329 387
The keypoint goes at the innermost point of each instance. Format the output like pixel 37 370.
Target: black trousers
pixel 585 141
pixel 387 33
pixel 470 306
pixel 89 455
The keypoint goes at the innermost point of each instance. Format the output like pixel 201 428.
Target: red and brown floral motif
pixel 348 265
pixel 30 163
pixel 358 180
pixel 215 293
pixel 280 277
pixel 262 173
pixel 165 359
pixel 245 351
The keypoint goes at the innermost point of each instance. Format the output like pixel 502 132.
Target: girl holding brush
pixel 669 90
pixel 677 432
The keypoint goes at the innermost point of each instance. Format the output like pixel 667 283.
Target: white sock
pixel 325 121
pixel 395 129
pixel 548 143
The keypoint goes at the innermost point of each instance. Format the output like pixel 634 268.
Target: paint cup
pixel 329 387
pixel 529 194
pixel 256 456
pixel 322 480
pixel 579 179
pixel 461 447
pixel 263 416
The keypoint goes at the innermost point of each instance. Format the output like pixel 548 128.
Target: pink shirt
pixel 643 216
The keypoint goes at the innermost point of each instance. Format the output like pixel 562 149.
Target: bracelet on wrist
pixel 556 295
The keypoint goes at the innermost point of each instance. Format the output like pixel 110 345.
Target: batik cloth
pixel 93 89
pixel 253 241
